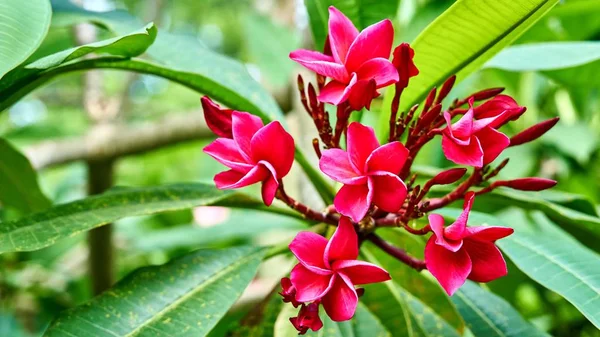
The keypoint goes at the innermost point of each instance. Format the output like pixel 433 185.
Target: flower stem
pixel 398 253
pixel 303 209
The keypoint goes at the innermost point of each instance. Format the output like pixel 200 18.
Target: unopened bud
pixel 403 61
pixel 426 119
pixel 487 94
pixel 449 176
pixel 533 132
pixel 446 87
pixel 529 184
pixel 218 120
pixel 429 99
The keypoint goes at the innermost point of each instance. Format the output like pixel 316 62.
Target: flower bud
pixel 403 61
pixel 288 292
pixel 529 184
pixel 308 318
pixel 446 87
pixel 449 176
pixel 486 94
pixel 217 119
pixel 533 132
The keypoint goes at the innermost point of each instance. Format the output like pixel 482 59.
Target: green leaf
pixel 18 181
pixel 488 315
pixel 363 13
pixel 552 258
pixel 461 40
pixel 185 297
pixel 40 230
pixel 129 45
pixel 24 26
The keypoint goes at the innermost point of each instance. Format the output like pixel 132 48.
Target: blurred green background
pixel 35 286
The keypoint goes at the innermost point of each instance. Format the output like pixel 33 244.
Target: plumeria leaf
pixel 187 296
pixel 568 268
pixel 43 229
pixel 18 181
pixel 488 315
pixel 24 26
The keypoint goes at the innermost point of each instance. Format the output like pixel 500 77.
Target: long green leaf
pixel 18 181
pixel 552 258
pixel 24 26
pixel 488 315
pixel 185 297
pixel 43 229
pixel 362 13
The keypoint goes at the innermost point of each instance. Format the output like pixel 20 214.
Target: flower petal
pixel 244 126
pixel 321 64
pixel 274 145
pixel 310 286
pixel 488 233
pixel 361 142
pixel 268 189
pixel 234 179
pixel 389 157
pixel 341 301
pixel 336 92
pixel 361 272
pixel 309 249
pixel 451 269
pixel 225 151
pixel 493 142
pixel 463 128
pixel 456 231
pixel 488 262
pixel 436 222
pixel 379 69
pixel 336 165
pixel 389 191
pixel 353 201
pixel 218 120
pixel 341 34
pixel 373 42
pixel 343 244
pixel 471 155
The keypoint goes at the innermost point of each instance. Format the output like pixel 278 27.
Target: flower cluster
pixel 378 187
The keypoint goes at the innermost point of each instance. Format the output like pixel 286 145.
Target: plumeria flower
pixel 357 58
pixel 473 142
pixel 254 152
pixel 368 171
pixel 329 270
pixel 458 252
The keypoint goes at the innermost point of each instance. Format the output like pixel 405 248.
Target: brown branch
pixel 398 253
pixel 303 209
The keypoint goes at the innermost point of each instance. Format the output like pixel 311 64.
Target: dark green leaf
pixel 185 297
pixel 43 229
pixel 24 26
pixel 18 181
pixel 488 315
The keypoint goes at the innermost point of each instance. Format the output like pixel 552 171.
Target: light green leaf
pixel 185 297
pixel 362 13
pixel 18 181
pixel 44 229
pixel 553 259
pixel 461 40
pixel 488 315
pixel 126 46
pixel 24 26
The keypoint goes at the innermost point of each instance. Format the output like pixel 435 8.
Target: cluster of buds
pixel 377 189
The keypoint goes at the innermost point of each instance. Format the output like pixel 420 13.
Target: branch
pixel 106 142
pixel 398 253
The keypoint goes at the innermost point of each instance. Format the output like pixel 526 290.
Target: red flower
pixel 368 171
pixel 357 59
pixel 328 270
pixel 308 318
pixel 458 252
pixel 403 61
pixel 473 142
pixel 255 153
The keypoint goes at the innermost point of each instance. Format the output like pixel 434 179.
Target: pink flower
pixel 308 318
pixel 255 153
pixel 356 59
pixel 458 252
pixel 473 142
pixel 368 171
pixel 328 270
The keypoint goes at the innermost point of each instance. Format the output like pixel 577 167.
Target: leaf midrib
pixel 481 314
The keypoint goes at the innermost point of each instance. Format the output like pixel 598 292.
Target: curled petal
pixel 244 126
pixel 218 120
pixel 343 245
pixel 374 41
pixel 310 286
pixel 321 64
pixel 488 233
pixel 353 201
pixel 456 231
pixel 234 179
pixel 436 222
pixel 488 263
pixel 361 272
pixel 341 34
pixel 379 69
pixel 341 301
pixel 451 269
pixel 335 164
pixel 389 191
pixel 268 189
pixel 309 249
pixel 362 94
pixel 493 142
pixel 389 157
pixel 225 151
pixel 471 155
pixel 463 129
pixel 275 146
pixel 361 142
